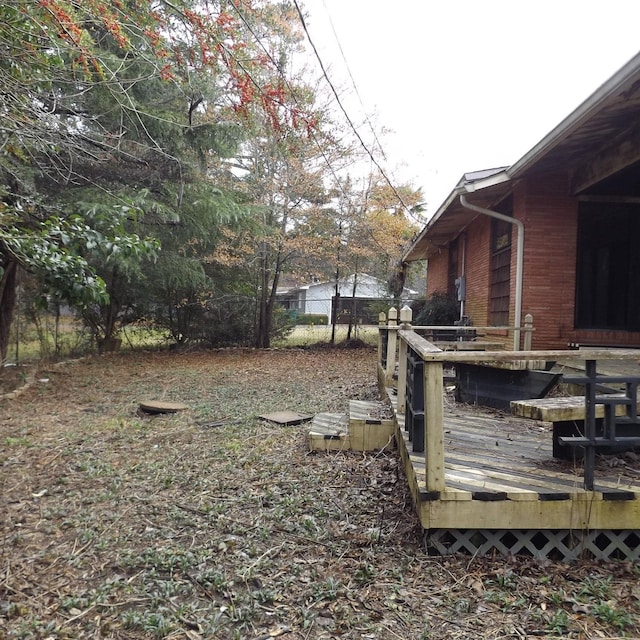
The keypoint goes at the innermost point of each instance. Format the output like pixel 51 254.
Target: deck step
pixel 561 409
pixel 329 432
pixel 367 427
pixel 371 426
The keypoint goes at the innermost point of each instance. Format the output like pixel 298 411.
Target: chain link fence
pixel 309 335
pixel 356 319
pixel 57 334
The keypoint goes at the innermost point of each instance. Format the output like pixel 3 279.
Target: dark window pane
pixel 608 268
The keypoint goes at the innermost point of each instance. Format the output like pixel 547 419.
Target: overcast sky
pixel 465 85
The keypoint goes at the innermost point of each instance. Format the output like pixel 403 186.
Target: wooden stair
pixel 362 429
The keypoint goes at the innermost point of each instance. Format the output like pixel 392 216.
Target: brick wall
pixel 437 270
pixel 550 216
pixel 476 241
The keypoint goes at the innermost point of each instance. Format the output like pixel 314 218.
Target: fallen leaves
pixel 212 523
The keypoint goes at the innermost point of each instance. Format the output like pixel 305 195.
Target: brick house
pixel 556 235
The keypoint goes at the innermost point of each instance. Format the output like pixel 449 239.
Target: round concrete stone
pixel 160 406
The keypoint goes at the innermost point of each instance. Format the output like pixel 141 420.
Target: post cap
pixel 406 314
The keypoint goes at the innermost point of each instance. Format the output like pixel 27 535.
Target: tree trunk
pixel 352 315
pixel 270 279
pixel 263 338
pixel 334 307
pixel 397 281
pixel 265 305
pixel 8 285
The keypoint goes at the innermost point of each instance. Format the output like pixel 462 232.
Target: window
pixel 608 267
pixel 500 273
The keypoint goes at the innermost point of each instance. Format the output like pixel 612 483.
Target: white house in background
pixel 319 297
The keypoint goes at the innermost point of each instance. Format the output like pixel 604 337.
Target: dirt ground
pixel 214 523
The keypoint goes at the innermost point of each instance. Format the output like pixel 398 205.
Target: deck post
pixel 406 315
pixel 528 330
pixel 434 426
pixel 591 374
pixel 392 341
pixel 382 322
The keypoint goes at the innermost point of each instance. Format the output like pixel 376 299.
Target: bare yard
pixel 212 523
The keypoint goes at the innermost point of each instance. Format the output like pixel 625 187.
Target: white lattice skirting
pixel 602 544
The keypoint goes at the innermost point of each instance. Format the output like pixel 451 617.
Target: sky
pixel 464 85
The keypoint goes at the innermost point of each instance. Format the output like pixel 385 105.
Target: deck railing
pixel 414 366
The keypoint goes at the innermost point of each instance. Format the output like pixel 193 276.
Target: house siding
pixel 586 166
pixel 549 214
pixel 317 298
pixel 437 272
pixel 477 270
pixel 474 243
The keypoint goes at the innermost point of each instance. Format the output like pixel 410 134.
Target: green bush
pixel 439 310
pixel 312 318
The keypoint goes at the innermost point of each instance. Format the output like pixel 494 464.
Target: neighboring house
pixel 555 235
pixel 319 298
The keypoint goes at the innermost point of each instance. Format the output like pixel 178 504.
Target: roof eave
pixel 583 112
pixel 419 246
pixel 415 251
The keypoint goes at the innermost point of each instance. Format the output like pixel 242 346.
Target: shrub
pixel 312 318
pixel 440 309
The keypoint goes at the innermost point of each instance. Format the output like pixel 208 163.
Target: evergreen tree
pixel 110 114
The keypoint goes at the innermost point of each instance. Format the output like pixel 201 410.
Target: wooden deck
pixel 488 482
pixel 500 474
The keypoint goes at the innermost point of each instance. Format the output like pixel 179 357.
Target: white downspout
pixel 462 270
pixel 519 261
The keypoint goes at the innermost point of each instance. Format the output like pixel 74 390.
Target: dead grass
pixel 211 523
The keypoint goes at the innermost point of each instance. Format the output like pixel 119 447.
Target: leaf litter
pixel 121 525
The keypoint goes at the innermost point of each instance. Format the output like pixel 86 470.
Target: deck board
pixel 494 459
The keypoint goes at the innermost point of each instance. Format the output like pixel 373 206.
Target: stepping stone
pixel 286 417
pixel 160 406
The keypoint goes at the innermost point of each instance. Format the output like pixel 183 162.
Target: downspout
pixel 462 271
pixel 519 261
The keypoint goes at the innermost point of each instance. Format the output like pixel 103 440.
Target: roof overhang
pixel 451 219
pixel 598 139
pixel 606 114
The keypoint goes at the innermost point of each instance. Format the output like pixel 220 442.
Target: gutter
pixel 519 261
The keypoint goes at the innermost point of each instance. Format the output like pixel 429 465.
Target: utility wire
pixel 353 82
pixel 292 92
pixel 344 111
pixel 293 95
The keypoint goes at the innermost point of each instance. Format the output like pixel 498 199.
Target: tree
pixel 373 227
pixel 283 162
pixel 382 227
pixel 77 80
pixel 172 186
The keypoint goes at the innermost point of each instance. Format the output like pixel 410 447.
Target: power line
pixel 291 92
pixel 353 82
pixel 344 111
